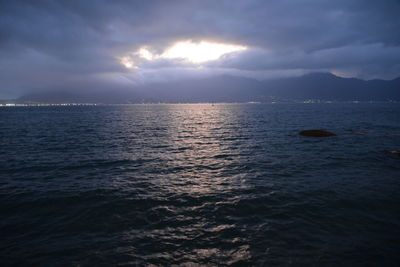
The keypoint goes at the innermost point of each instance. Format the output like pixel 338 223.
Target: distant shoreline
pixel 194 103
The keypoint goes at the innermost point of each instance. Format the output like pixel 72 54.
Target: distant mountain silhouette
pixel 327 86
pixel 82 96
pixel 226 88
pixel 222 88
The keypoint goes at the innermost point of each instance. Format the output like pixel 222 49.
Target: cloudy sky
pixel 109 44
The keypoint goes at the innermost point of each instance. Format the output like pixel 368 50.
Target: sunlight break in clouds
pixel 126 61
pixel 145 53
pixel 187 50
pixel 200 52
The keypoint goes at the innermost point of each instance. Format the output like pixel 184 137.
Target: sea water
pixel 195 184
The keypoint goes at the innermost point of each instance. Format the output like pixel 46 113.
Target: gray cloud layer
pixel 58 44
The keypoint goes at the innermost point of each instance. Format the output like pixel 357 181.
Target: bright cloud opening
pixel 187 50
pixel 200 52
pixel 145 53
pixel 126 61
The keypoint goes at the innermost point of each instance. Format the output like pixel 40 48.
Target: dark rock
pixel 394 152
pixel 316 133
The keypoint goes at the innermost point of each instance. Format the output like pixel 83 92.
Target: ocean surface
pixel 200 184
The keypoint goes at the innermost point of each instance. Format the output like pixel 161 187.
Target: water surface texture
pixel 200 184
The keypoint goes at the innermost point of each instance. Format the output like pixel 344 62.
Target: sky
pixel 50 44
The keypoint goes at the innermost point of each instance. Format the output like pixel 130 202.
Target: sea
pixel 200 185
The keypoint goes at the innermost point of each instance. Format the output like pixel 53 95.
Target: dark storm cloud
pixel 51 44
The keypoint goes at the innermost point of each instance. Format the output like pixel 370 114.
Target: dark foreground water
pixel 200 184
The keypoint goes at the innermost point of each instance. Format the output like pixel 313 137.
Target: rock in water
pixel 393 152
pixel 316 133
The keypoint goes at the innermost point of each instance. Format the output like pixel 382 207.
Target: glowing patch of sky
pixel 187 50
pixel 200 52
pixel 126 61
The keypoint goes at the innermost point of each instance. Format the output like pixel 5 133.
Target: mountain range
pixel 226 88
